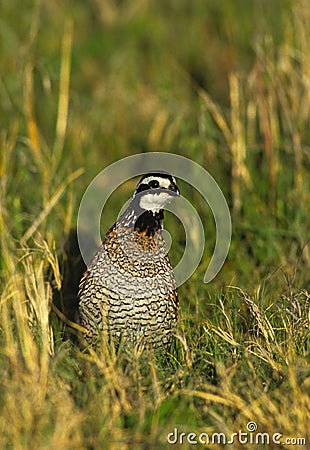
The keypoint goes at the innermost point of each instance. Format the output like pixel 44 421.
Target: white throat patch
pixel 155 202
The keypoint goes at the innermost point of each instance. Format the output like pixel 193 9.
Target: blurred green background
pixel 224 83
pixel 140 72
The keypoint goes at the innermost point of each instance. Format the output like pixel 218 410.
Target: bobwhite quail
pixel 129 291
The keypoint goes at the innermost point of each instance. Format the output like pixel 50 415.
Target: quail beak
pixel 174 190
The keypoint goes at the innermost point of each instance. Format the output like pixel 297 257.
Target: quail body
pixel 128 292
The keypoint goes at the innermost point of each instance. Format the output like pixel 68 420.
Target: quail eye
pixel 153 184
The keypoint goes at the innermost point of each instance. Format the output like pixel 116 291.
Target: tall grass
pixel 241 351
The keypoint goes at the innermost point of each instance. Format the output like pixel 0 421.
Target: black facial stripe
pixel 142 187
pixel 154 184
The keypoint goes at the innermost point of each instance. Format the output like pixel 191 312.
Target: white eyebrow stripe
pixel 163 182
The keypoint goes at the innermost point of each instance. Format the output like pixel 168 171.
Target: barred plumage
pixel 129 292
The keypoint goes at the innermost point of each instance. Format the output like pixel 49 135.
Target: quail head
pixel 128 293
